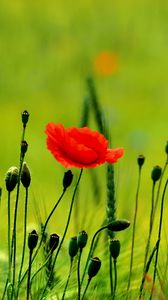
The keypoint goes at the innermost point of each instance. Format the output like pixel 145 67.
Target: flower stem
pixel 90 251
pixel 78 272
pixel 65 231
pixel 9 249
pixel 111 273
pixel 24 240
pixel 150 226
pixel 69 275
pixel 133 232
pixel 149 238
pixel 115 278
pixel 89 279
pixel 159 237
pixel 43 232
pixel 44 264
pixel 159 185
pixel 28 276
pixel 13 247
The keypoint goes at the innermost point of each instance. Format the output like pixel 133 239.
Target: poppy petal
pixel 114 154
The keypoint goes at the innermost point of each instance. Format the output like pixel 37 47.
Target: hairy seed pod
pixel 32 240
pixel 118 225
pixel 73 247
pixel 11 178
pixel 94 266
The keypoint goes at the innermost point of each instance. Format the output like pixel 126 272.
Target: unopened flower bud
pixel 166 148
pixel 11 178
pixel 82 239
pixel 53 242
pixel 140 160
pixel 67 180
pixel 73 247
pixel 93 267
pixel 25 175
pixel 32 240
pixel 118 225
pixel 25 117
pixel 114 248
pixel 156 173
pixel 24 146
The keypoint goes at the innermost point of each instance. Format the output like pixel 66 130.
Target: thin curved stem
pixel 150 225
pixel 159 186
pixel 9 245
pixel 13 248
pixel 111 273
pixel 69 275
pixel 115 278
pixel 65 231
pixel 90 251
pixel 78 272
pixel 89 279
pixel 159 237
pixel 133 231
pixel 24 239
pixel 28 276
pixel 149 237
pixel 44 264
pixel 43 232
pixel 147 269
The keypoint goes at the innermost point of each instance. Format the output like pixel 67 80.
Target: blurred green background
pixel 47 50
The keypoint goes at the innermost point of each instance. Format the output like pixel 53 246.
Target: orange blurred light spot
pixel 106 63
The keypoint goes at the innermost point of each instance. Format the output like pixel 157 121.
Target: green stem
pixel 89 279
pixel 45 263
pixel 90 251
pixel 28 275
pixel 78 272
pixel 150 226
pixel 147 269
pixel 43 232
pixel 115 278
pixel 133 232
pixel 159 237
pixel 65 231
pixel 69 275
pixel 24 239
pixel 9 250
pixel 159 185
pixel 13 251
pixel 111 273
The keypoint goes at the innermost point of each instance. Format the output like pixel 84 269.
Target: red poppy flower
pixel 79 147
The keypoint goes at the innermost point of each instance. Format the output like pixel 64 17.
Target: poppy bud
pixel 11 178
pixel 93 266
pixel 114 248
pixel 82 239
pixel 68 176
pixel 140 160
pixel 53 242
pixel 73 247
pixel 166 148
pixel 118 225
pixel 24 146
pixel 156 173
pixel 32 240
pixel 25 117
pixel 25 175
